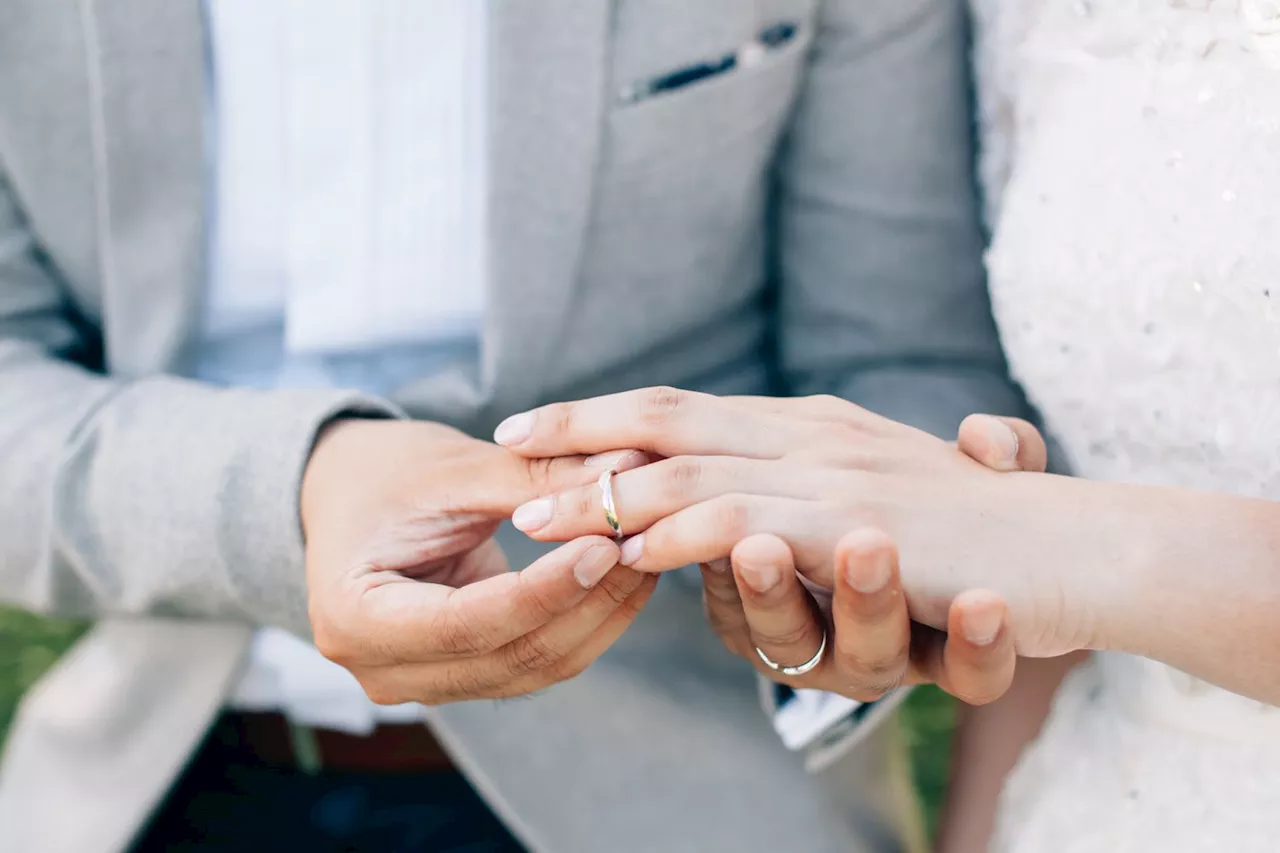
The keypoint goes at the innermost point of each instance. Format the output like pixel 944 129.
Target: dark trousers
pixel 228 800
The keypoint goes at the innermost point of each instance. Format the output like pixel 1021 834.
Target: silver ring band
pixel 807 666
pixel 606 499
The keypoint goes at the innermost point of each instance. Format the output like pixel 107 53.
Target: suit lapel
pixel 548 92
pixel 146 60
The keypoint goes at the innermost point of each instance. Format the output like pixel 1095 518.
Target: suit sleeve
pixel 878 248
pixel 151 495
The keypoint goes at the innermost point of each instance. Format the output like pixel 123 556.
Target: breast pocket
pixel 706 102
pixel 683 178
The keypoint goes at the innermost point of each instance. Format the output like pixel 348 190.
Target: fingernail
pixel 594 565
pixel 761 576
pixel 632 550
pixel 719 566
pixel 868 573
pixel 612 459
pixel 534 515
pixel 514 429
pixel 981 626
pixel 1004 441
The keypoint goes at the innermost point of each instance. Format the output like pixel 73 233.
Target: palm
pixel 453 550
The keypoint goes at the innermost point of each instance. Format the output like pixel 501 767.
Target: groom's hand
pixel 755 600
pixel 408 590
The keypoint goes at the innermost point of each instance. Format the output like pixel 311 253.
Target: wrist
pixel 1077 546
pixel 333 445
pixel 1119 533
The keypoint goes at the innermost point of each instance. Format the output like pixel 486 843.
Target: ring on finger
pixel 806 667
pixel 606 499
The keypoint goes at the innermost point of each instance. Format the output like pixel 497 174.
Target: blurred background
pixel 29 645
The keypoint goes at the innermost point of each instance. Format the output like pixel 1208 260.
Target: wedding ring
pixel 606 499
pixel 807 666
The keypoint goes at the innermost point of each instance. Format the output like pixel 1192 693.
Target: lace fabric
pixel 1131 168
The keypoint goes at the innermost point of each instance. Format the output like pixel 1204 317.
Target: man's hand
pixel 873 645
pixel 407 588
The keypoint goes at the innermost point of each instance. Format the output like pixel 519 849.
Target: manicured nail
pixel 1005 443
pixel 594 565
pixel 612 459
pixel 514 430
pixel 761 577
pixel 981 625
pixel 869 572
pixel 632 550
pixel 534 515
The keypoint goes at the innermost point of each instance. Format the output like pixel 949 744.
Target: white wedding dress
pixel 1131 162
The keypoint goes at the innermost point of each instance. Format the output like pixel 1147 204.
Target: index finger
pixel 666 421
pixel 408 620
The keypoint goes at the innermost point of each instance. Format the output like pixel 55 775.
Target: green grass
pixel 29 645
pixel 929 717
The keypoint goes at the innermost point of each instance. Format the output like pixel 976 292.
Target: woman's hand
pixel 872 645
pixel 811 470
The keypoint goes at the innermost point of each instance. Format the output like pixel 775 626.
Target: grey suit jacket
pixel 802 224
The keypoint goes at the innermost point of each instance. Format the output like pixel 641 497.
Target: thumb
pixel 1003 444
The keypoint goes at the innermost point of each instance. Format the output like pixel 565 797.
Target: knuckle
pixel 731 517
pixel 538 603
pixel 453 636
pixel 619 585
pixel 560 419
pixel 785 636
pixel 681 478
pixel 875 675
pixel 542 475
pixel 456 684
pixel 867 695
pixel 631 606
pixel 585 505
pixel 877 683
pixel 659 405
pixel 528 655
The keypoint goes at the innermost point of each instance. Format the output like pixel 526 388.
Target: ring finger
pixel 784 624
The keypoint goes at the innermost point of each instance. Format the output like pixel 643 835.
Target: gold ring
pixel 606 499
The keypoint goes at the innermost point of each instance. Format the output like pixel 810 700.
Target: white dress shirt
pixel 347 246
pixel 348 155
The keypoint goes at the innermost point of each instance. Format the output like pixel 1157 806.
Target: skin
pixel 407 588
pixel 874 645
pixel 1187 578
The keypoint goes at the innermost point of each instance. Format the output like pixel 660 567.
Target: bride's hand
pixel 869 645
pixel 810 470
pixel 755 601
